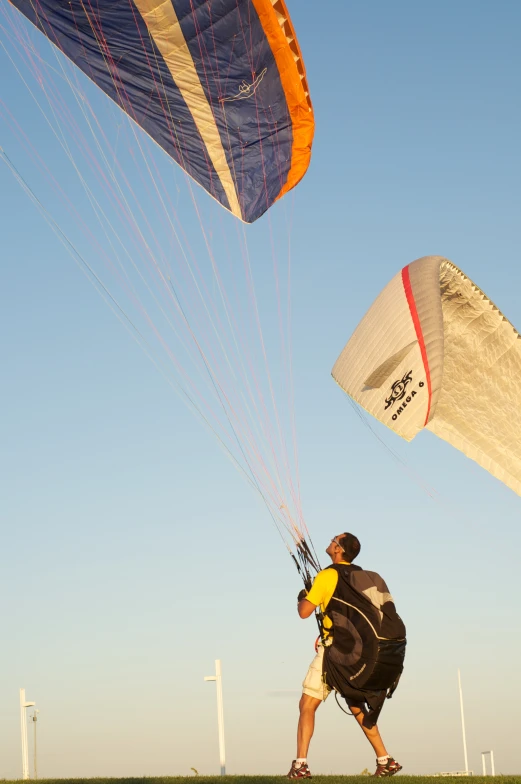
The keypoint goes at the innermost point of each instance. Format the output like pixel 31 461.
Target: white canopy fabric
pixel 433 351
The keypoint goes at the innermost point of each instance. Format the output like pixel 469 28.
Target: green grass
pixel 272 780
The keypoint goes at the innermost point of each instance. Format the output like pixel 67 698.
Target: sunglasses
pixel 335 540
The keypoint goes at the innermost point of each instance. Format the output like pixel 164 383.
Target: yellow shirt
pixel 322 590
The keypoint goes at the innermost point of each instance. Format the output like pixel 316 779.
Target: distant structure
pixel 34 717
pixel 484 762
pixel 467 772
pixel 23 725
pixel 220 714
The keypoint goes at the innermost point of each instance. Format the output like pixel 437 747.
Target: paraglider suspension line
pixel 348 713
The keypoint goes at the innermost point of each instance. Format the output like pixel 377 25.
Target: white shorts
pixel 313 684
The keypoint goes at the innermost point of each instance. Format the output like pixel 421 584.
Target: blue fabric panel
pixel 228 44
pixel 236 68
pixel 150 98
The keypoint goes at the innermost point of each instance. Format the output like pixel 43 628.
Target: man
pixel 364 705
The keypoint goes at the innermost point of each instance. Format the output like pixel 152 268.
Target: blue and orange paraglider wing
pixel 218 84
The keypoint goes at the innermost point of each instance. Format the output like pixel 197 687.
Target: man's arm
pixel 320 593
pixel 304 606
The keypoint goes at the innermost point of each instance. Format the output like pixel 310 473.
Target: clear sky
pixel 134 555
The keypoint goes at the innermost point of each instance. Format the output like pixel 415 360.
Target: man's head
pixel 343 547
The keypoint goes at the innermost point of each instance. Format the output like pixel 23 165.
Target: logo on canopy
pixel 246 90
pixel 398 390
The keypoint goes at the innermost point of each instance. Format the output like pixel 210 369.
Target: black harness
pixel 364 660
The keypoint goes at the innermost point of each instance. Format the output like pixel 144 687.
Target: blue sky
pixel 134 554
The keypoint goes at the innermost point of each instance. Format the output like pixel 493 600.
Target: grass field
pixel 271 780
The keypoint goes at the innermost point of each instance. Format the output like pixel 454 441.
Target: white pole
pixel 35 752
pixel 220 715
pixel 23 720
pixel 484 760
pixel 25 753
pixel 463 724
pixel 220 712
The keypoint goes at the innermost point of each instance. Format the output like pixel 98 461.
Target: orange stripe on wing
pixel 281 37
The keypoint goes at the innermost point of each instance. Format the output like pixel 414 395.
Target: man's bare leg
pixel 306 724
pixel 372 734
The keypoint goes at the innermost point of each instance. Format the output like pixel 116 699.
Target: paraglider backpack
pixel 368 647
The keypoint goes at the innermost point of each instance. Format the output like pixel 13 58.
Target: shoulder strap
pixel 345 567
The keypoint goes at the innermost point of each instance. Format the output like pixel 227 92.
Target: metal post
pixel 484 761
pixel 23 719
pixel 220 712
pixel 35 753
pixel 463 724
pixel 220 715
pixel 25 751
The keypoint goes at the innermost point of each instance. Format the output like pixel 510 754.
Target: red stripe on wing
pixel 419 334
